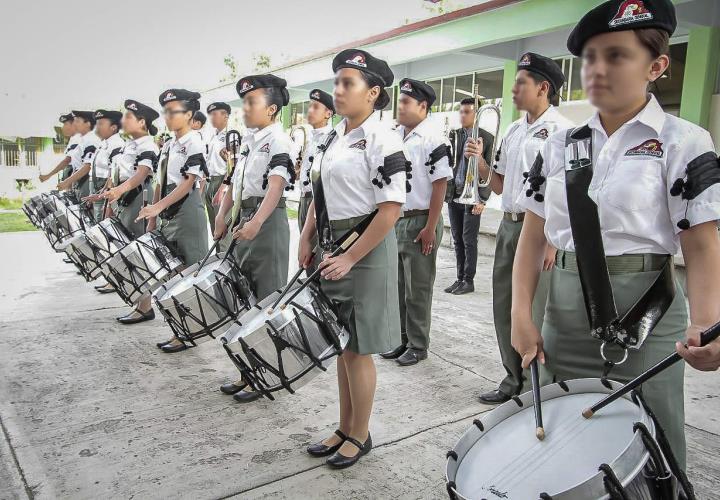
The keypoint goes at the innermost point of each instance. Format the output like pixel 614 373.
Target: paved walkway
pixel 90 409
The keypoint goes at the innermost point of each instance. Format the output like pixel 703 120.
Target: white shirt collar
pixel 420 130
pixel 143 139
pixel 652 116
pixel 322 130
pixel 187 137
pixel 366 127
pixel 549 115
pixel 261 134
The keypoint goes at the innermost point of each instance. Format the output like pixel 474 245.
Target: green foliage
pixel 10 204
pixel 15 221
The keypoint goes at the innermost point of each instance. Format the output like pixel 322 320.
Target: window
pixel 59 141
pixel 490 85
pixel 298 113
pixel 448 98
pixel 21 153
pixel 437 87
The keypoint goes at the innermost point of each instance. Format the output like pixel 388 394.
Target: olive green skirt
pixel 187 232
pixel 128 214
pixel 211 188
pixel 264 260
pixel 367 297
pixel 303 210
pixel 572 353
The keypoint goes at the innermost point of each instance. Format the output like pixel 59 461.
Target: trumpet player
pixel 219 113
pixel 320 112
pixel 420 227
pixel 465 219
pixel 537 85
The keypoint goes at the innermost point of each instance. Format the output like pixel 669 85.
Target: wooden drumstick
pixel 537 402
pixel 706 337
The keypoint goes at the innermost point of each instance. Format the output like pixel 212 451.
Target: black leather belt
pixel 415 213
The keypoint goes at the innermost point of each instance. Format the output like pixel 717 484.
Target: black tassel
pixel 529 193
pixel 684 224
pixel 539 198
pixel 677 187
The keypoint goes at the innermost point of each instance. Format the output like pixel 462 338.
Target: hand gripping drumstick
pixel 706 337
pixel 537 402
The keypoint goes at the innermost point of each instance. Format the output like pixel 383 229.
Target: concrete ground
pixel 90 409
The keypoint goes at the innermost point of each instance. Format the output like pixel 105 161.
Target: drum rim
pixel 552 391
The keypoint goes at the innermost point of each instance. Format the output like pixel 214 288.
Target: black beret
pixel 545 67
pixel 418 90
pixel 199 116
pixel 323 98
pixel 113 116
pixel 218 105
pixel 252 82
pixel 170 95
pixel 145 112
pixel 369 64
pixel 622 15
pixel 88 116
pixel 66 118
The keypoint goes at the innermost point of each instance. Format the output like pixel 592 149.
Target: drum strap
pixel 322 220
pixel 632 329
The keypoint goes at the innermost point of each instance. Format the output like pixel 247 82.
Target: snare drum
pixel 85 256
pixel 499 457
pixel 107 238
pixel 201 307
pixel 285 348
pixel 141 266
pixel 30 208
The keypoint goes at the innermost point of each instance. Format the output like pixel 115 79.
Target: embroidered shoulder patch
pixel 651 147
pixel 265 148
pixel 361 144
pixel 541 134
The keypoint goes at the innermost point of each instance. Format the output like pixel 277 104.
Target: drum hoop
pixel 492 418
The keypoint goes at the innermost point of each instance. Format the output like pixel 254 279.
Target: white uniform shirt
pixel 352 162
pixel 178 152
pixel 257 151
pixel 634 170
pixel 72 145
pixel 518 150
pixel 125 164
pixel 216 164
pixel 109 148
pixel 317 136
pixel 417 146
pixel 85 152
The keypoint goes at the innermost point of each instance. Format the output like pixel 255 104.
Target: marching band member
pixel 132 174
pixel 264 170
pixel 465 219
pixel 108 129
pixel 420 228
pixel 177 198
pixel 219 113
pixel 198 121
pixel 73 136
pixel 361 170
pixel 654 189
pixel 82 156
pixel 537 83
pixel 320 112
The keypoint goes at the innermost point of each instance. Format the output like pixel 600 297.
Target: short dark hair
pixel 656 41
pixel 198 116
pixel 374 81
pixel 553 94
pixel 468 101
pixel 274 96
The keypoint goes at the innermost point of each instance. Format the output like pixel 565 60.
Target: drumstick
pixel 144 204
pixel 537 402
pixel 287 287
pixel 706 337
pixel 207 256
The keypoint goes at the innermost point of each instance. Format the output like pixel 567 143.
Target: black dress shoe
pixel 495 397
pixel 106 288
pixel 412 357
pixel 160 345
pixel 67 261
pixel 170 348
pixel 395 353
pixel 231 388
pixel 452 287
pixel 322 450
pixel 247 396
pixel 136 317
pixel 463 288
pixel 340 461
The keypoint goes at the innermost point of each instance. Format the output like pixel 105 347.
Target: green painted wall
pixel 701 66
pixel 509 111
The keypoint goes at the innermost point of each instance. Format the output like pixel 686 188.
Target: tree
pixel 232 68
pixel 440 7
pixel 261 62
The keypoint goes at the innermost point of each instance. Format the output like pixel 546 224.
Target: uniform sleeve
pixel 500 164
pixel 148 156
pixel 439 159
pixel 195 163
pixel 71 150
pixel 387 167
pixel 283 154
pixel 88 152
pixel 532 198
pixel 693 181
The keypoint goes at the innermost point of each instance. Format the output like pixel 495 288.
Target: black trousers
pixel 464 227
